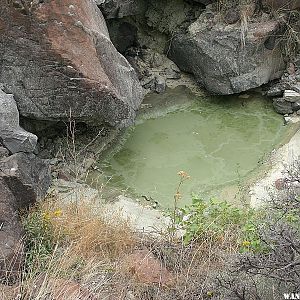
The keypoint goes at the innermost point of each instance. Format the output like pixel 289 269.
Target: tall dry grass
pixel 81 246
pixel 87 258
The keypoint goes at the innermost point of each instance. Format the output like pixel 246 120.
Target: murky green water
pixel 217 141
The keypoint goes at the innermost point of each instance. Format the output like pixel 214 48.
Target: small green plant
pixel 40 237
pixel 250 240
pixel 215 219
pixel 175 212
pixel 292 217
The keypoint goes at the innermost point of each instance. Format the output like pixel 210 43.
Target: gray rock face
pixel 275 91
pixel 154 70
pixel 287 90
pixel 296 87
pixel 121 8
pixel 58 60
pixel 282 106
pixel 24 178
pixel 18 140
pixel 11 234
pixel 160 84
pixel 287 82
pixel 27 176
pixel 296 106
pixel 167 16
pixel 113 9
pixel 224 61
pixel 3 152
pixel 13 137
pixel 291 95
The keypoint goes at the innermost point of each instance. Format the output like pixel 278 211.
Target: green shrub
pixel 215 218
pixel 40 238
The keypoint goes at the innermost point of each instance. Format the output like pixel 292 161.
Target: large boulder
pixel 226 59
pixel 57 59
pixel 13 137
pixel 282 106
pixel 27 176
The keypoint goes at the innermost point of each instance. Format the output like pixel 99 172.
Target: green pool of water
pixel 218 141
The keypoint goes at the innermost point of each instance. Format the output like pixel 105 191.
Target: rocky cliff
pixel 229 46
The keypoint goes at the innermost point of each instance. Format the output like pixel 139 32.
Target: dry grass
pixel 85 248
pixel 87 257
pixel 89 232
pixel 68 276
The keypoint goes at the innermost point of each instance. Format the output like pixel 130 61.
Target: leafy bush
pixel 215 218
pixel 267 275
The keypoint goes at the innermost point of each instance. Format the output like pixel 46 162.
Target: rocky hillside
pixel 56 62
pixel 229 46
pixel 89 60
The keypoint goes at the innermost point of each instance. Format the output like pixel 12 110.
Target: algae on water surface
pixel 217 140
